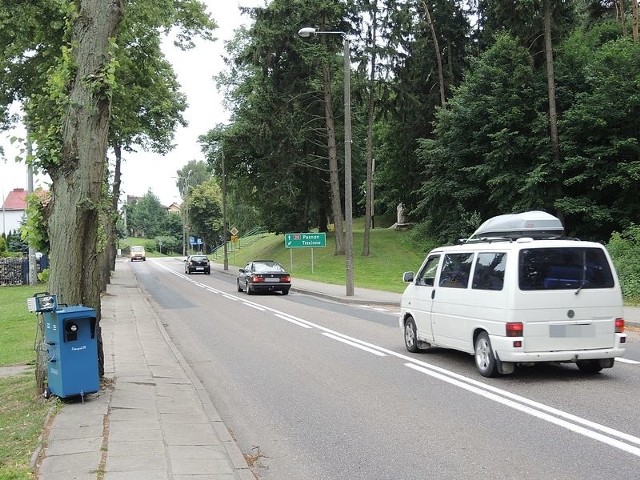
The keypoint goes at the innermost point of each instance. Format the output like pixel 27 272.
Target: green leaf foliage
pixel 276 151
pixel 624 248
pixel 147 217
pixel 486 145
pixel 34 230
pixel 205 212
pixel 409 92
pixel 601 138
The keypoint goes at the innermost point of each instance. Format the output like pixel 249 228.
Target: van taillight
pixel 619 325
pixel 514 329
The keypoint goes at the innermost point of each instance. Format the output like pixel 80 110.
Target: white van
pixel 517 292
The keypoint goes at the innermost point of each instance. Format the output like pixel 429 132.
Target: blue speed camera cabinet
pixel 72 351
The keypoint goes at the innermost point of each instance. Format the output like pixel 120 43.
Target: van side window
pixel 427 275
pixel 564 269
pixel 489 271
pixel 455 270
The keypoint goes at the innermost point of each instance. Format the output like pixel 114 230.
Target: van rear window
pixel 564 269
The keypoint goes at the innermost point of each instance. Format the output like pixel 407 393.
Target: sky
pixel 195 69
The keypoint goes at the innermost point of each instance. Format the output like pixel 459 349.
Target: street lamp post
pixel 225 261
pixel 185 230
pixel 348 200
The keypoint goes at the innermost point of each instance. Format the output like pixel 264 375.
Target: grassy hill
pixel 391 253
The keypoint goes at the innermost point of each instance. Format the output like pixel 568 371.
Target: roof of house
pixel 16 200
pixel 174 207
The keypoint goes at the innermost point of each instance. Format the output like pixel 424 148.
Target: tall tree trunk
pixel 436 46
pixel 115 199
pixel 622 14
pixel 77 183
pixel 634 14
pixel 370 120
pixel 109 219
pixel 334 179
pixel 551 91
pixel 104 249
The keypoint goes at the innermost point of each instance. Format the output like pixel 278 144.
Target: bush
pixel 422 236
pixel 43 276
pixel 150 246
pixel 169 244
pixel 624 249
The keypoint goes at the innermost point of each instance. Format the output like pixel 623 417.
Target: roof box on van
pixel 534 224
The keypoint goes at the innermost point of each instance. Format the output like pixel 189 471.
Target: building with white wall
pixel 14 209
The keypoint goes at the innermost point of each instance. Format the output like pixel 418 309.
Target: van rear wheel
pixel 411 335
pixel 485 359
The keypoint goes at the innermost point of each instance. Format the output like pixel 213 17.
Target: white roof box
pixel 534 224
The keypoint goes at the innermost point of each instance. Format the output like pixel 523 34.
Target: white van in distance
pixel 517 292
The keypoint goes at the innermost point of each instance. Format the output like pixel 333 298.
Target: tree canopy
pixel 511 135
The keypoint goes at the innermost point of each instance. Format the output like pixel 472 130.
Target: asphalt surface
pixel 152 418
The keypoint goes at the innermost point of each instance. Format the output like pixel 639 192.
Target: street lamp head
pixel 306 32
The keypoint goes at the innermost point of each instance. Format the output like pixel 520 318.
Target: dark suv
pixel 197 263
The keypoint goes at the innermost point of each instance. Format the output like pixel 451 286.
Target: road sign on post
pixel 305 240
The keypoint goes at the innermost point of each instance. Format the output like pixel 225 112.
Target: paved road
pixel 320 390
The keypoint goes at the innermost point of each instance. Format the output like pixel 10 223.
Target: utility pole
pixel 33 271
pixel 225 262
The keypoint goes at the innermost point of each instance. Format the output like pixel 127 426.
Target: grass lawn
pixel 22 409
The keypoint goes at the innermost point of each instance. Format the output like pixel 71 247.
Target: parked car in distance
pixel 138 253
pixel 263 276
pixel 197 263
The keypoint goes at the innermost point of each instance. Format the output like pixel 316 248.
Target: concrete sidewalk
pixel 152 418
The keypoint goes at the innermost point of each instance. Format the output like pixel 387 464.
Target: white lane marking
pixel 627 360
pixel 532 411
pixel 254 305
pixel 290 319
pixel 518 402
pixel 386 310
pixel 372 307
pixel 499 391
pixel 354 344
